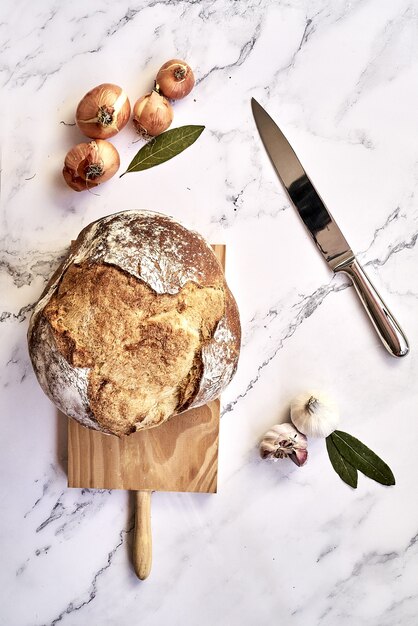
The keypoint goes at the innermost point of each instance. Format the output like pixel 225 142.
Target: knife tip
pixel 254 105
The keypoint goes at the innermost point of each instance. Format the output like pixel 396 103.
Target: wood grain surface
pixel 179 455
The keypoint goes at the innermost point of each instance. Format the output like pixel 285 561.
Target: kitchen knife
pixel 324 230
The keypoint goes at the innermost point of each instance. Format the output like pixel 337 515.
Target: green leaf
pixel 164 147
pixel 361 457
pixel 344 469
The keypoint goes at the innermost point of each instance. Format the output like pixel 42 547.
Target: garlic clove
pixel 314 414
pixel 175 79
pixel 299 456
pixel 284 441
pixel 152 114
pixel 88 165
pixel 103 111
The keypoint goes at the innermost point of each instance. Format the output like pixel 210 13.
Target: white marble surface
pixel 278 544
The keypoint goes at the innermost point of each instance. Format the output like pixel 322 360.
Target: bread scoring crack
pixel 143 348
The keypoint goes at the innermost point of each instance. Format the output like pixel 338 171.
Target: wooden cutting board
pixel 179 455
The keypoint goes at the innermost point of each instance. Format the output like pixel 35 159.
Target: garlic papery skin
pixel 314 414
pixel 175 79
pixel 153 114
pixel 103 111
pixel 90 164
pixel 284 441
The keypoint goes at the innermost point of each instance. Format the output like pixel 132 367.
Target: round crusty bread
pixel 136 325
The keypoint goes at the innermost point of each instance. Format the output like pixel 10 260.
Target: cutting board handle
pixel 142 548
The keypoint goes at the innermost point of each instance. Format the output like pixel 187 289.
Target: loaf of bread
pixel 135 326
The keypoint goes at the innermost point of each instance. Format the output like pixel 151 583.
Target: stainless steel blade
pixel 324 230
pixel 309 204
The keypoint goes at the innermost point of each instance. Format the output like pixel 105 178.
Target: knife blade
pixel 324 230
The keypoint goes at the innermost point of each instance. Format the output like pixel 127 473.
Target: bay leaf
pixel 344 469
pixel 362 458
pixel 164 147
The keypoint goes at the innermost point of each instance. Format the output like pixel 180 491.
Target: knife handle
pixel 385 324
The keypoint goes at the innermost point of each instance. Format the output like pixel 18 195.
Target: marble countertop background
pixel 277 544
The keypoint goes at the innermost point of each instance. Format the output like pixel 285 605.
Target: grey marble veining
pixel 278 543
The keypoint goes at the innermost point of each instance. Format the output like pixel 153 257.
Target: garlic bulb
pixel 153 114
pixel 314 414
pixel 284 441
pixel 103 111
pixel 90 164
pixel 175 79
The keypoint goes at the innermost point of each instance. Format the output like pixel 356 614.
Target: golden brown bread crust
pixel 143 349
pixel 136 325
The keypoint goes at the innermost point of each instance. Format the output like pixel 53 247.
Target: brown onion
pixel 175 79
pixel 153 114
pixel 90 164
pixel 103 111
